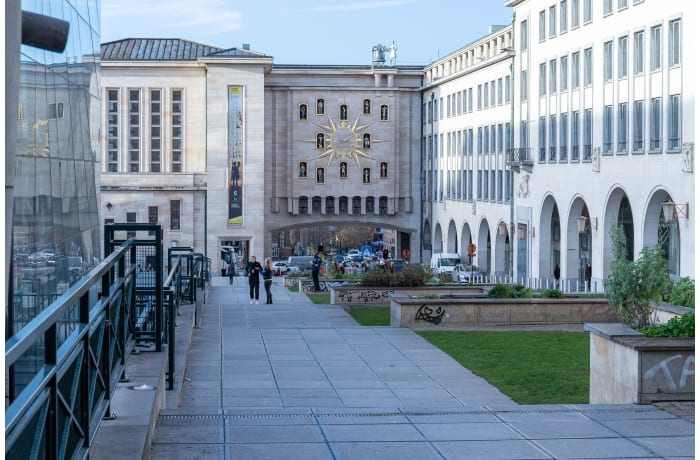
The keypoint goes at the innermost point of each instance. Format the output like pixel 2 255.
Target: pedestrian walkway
pixel 295 380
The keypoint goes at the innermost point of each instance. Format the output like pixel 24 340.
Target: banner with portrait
pixel 235 155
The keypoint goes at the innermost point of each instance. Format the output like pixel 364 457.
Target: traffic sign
pixel 471 250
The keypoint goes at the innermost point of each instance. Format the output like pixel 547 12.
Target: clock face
pixel 342 140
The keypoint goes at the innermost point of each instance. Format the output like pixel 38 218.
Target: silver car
pixel 463 273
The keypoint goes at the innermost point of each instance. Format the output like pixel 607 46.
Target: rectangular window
pixel 486 95
pixel 655 125
pixel 564 73
pixel 563 136
pixel 607 61
pixel 655 48
pixel 176 139
pixel 486 185
pixel 575 70
pixel 523 86
pixel 442 108
pixel 587 134
pixel 674 122
pixel 552 21
pixel 174 214
pixel 500 91
pixel 523 36
pixel 622 123
pixel 542 139
pixel 501 147
pixel 470 141
pixel 155 130
pixel 486 140
pixel 607 7
pixel 506 84
pixel 553 76
pixel 607 128
pixel 470 100
pixel 478 185
pixel 479 141
pixel 587 11
pixel 493 138
pixel 621 4
pixel 575 18
pixel 575 135
pixel 674 43
pixel 478 97
pixel 55 110
pixel 112 130
pixel 524 137
pixel 470 185
pixel 622 57
pixel 563 19
pixel 500 185
pixel 130 219
pixel 552 138
pixel 587 66
pixel 134 130
pixel 638 52
pixel 152 218
pixel 493 185
pixel 493 93
pixel 543 26
pixel 543 79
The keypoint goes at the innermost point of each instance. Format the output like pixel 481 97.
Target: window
pixel 523 36
pixel 303 111
pixel 478 185
pixel 607 128
pixel 552 20
pixel 478 97
pixel 564 73
pixel 500 137
pixel 622 117
pixel 542 139
pixel 607 6
pixel 655 125
pixel 486 140
pixel 543 26
pixel 575 135
pixel 470 100
pixel 621 4
pixel 524 137
pixel 607 61
pixel 674 122
pixel 523 86
pixel 553 76
pixel 493 185
pixel 112 130
pixel 130 219
pixel 493 138
pixel 500 91
pixel 152 218
pixel 575 69
pixel 587 66
pixel 587 134
pixel 674 43
pixel 552 138
pixel 442 108
pixel 176 140
pixel 174 214
pixel 563 136
pixel 587 11
pixel 55 110
pixel 543 78
pixel 134 130
pixel 575 18
pixel 486 95
pixel 655 48
pixel 563 20
pixel 486 185
pixel 622 57
pixel 493 93
pixel 638 52
pixel 507 89
pixel 155 130
pixel 479 140
pixel 321 106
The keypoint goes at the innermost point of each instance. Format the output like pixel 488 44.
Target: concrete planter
pixel 348 295
pixel 628 367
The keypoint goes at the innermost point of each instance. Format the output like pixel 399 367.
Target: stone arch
pixel 427 240
pixel 452 237
pixel 502 260
pixel 437 239
pixel 549 238
pixel 465 240
pixel 579 245
pixel 617 212
pixel 656 230
pixel 483 247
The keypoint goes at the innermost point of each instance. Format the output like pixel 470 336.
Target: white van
pixel 444 262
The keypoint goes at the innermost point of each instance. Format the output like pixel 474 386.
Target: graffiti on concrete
pixel 668 370
pixel 363 296
pixel 429 314
pixel 308 286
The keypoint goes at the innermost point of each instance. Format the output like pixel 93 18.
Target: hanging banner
pixel 235 154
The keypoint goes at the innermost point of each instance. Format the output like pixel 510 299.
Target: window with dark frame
pixel 175 215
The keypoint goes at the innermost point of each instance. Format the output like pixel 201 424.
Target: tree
pixel 634 286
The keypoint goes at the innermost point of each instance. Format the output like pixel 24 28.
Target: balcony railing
pixel 519 156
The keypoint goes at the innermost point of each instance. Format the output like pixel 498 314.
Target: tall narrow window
pixel 607 6
pixel 176 139
pixel 156 132
pixel 130 219
pixel 500 91
pixel 542 139
pixel 621 4
pixel 543 26
pixel 575 13
pixel 638 52
pixel 674 122
pixel 564 73
pixel 486 95
pixel 587 11
pixel 174 214
pixel 523 86
pixel 607 61
pixel 523 36
pixel 575 70
pixel 552 20
pixel 152 218
pixel 506 84
pixel 674 43
pixel 134 130
pixel 587 66
pixel 552 138
pixel 524 136
pixel 622 57
pixel 563 19
pixel 587 134
pixel 622 120
pixel 470 100
pixel 493 93
pixel 112 130
pixel 575 135
pixel 655 48
pixel 607 128
pixel 553 76
pixel 563 136
pixel 543 79
pixel 655 125
pixel 478 97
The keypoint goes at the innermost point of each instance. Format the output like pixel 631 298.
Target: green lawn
pixel 319 297
pixel 533 367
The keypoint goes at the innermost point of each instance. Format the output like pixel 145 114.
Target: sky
pixel 311 31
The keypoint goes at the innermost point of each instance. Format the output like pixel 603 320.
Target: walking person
pixel 315 268
pixel 253 269
pixel 557 273
pixel 231 272
pixel 267 278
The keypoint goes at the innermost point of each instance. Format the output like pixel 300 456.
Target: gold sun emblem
pixel 343 140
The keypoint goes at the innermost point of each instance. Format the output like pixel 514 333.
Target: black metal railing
pixel 77 349
pixel 519 156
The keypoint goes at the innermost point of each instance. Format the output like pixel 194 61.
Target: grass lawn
pixel 533 367
pixel 293 288
pixel 319 297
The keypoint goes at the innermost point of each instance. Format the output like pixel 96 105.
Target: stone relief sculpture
pixel 595 159
pixel 688 153
pixel 524 189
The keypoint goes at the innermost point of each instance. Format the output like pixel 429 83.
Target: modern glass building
pixel 53 232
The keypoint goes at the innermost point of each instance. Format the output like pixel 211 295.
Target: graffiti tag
pixel 426 313
pixel 663 367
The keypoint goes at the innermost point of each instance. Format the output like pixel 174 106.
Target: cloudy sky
pixel 311 31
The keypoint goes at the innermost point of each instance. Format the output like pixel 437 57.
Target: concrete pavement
pixel 295 380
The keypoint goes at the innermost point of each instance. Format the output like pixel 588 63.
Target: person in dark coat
pixel 231 272
pixel 315 268
pixel 253 269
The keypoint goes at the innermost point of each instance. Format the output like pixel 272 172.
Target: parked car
pixel 280 267
pixel 463 273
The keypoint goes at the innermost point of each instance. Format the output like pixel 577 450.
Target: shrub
pixel 552 294
pixel 414 275
pixel 410 275
pixel 501 291
pixel 522 292
pixel 683 293
pixel 445 277
pixel 683 326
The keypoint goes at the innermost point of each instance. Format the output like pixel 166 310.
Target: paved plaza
pixel 295 380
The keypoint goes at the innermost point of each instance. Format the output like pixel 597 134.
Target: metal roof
pixel 155 49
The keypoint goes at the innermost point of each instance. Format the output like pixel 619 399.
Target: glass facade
pixel 55 226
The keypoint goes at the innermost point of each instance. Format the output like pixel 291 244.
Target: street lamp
pixel 672 210
pixel 584 223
